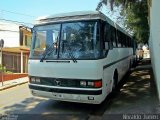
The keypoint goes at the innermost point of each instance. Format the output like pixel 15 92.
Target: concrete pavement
pixel 137 95
pixel 12 83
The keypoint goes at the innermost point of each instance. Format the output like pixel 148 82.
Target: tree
pixel 135 13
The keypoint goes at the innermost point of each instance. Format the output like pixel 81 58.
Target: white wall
pixel 9 32
pixel 155 40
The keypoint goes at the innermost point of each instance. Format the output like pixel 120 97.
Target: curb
pixel 10 86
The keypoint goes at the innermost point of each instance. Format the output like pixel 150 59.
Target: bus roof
pixel 79 15
pixel 72 16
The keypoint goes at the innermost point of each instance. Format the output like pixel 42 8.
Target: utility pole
pixel 1 46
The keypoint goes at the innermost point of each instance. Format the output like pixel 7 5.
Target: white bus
pixel 78 57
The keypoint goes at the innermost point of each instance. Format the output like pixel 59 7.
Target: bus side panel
pixel 117 59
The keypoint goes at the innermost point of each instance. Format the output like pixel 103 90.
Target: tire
pixel 135 62
pixel 115 80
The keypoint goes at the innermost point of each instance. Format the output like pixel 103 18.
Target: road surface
pixel 18 100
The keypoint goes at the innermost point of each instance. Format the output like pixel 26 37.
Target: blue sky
pixel 38 8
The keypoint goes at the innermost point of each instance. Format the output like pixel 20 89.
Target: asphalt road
pixel 136 94
pixel 18 100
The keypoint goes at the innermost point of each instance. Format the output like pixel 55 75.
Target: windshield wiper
pixel 48 51
pixel 71 54
pixel 72 57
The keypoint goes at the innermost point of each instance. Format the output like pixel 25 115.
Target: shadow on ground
pixel 39 109
pixel 137 93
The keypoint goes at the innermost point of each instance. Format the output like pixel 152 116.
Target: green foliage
pixel 8 72
pixel 135 13
pixel 3 69
pixel 137 20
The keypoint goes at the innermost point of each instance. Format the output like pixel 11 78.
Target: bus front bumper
pixel 71 95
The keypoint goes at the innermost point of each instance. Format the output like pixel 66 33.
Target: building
pixel 17 41
pixel 15 59
pixel 9 32
pixel 154 20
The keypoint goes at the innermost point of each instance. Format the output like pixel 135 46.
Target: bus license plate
pixel 57 95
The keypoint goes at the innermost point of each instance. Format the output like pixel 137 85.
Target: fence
pixel 7 77
pixel 12 62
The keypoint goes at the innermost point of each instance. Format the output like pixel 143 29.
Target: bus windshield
pixel 61 41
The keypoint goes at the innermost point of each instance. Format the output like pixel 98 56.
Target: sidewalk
pixel 138 94
pixel 12 83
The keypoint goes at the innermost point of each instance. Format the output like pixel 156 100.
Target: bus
pixel 78 57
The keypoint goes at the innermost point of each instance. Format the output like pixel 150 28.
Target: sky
pixel 27 11
pixel 32 9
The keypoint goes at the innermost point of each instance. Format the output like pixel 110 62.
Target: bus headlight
pixel 83 83
pixel 38 80
pixel 32 80
pixel 91 84
pixel 35 80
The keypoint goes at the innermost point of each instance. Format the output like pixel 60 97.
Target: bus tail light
pixel 98 84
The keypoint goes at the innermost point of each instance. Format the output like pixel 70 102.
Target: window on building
pixel 27 40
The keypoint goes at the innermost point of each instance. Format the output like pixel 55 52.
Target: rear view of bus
pixel 67 58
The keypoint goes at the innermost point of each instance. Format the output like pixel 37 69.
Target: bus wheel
pixel 115 80
pixel 134 63
pixel 130 65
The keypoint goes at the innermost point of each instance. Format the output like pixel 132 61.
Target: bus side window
pixel 113 37
pixel 124 40
pixel 130 42
pixel 119 39
pixel 107 37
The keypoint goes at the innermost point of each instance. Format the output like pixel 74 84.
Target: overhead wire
pixel 15 21
pixel 8 30
pixel 2 10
